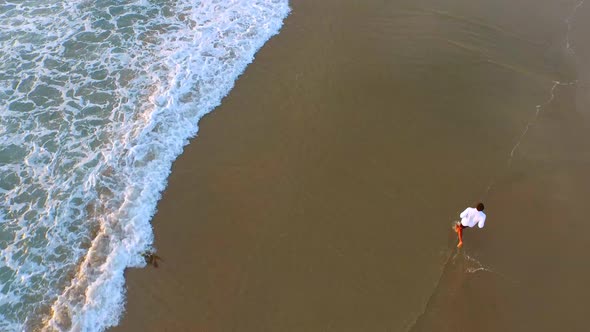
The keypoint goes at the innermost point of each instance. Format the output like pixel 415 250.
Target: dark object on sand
pixel 151 258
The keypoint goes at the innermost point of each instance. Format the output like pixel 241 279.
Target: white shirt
pixel 471 216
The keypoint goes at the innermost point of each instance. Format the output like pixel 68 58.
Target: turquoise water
pixel 97 98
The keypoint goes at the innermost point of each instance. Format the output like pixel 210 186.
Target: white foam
pixel 96 153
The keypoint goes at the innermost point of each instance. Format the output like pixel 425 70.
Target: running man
pixel 469 218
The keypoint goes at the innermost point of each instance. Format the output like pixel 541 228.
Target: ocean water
pixel 97 98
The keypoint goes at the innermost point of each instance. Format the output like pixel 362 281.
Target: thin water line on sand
pixel 536 116
pixel 531 122
pixel 450 258
pixel 568 21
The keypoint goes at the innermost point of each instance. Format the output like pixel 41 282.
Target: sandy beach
pixel 320 195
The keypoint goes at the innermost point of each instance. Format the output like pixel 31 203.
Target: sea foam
pixel 97 100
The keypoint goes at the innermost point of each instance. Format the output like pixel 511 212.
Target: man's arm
pixel 482 222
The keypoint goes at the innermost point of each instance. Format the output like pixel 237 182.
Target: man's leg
pixel 459 230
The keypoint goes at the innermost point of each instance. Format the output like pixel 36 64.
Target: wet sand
pixel 320 195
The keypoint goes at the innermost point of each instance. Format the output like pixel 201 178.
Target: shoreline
pixel 295 207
